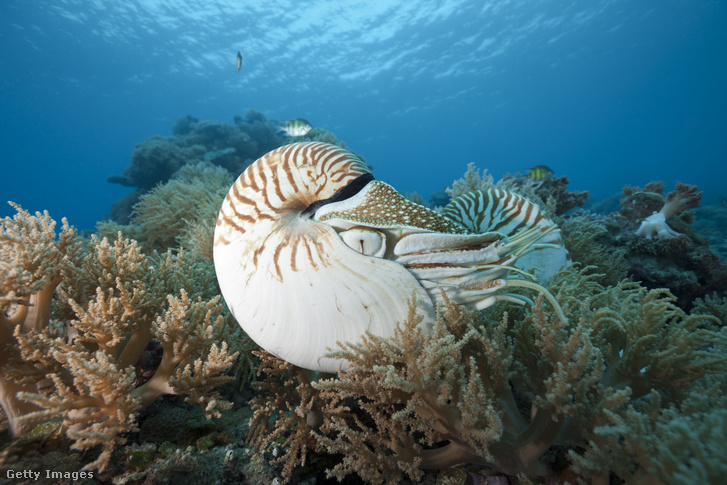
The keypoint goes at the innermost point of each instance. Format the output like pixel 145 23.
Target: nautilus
pixel 311 251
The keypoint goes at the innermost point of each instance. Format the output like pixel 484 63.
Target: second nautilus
pixel 310 250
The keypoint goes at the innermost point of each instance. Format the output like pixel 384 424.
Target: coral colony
pixel 521 337
pixel 77 316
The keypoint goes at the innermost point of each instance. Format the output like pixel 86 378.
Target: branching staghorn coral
pixel 527 395
pixel 112 301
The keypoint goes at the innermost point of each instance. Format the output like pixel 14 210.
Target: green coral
pixel 714 305
pixel 183 211
pixel 586 236
pixel 652 441
pixel 523 394
pixel 179 213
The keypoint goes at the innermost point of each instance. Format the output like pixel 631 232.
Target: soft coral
pixel 683 197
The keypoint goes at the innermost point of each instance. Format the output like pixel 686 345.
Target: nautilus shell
pixel 310 250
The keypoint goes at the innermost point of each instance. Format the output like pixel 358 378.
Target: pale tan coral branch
pixel 107 295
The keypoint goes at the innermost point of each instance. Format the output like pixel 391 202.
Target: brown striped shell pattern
pixel 310 250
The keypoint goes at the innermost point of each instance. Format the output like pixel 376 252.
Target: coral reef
pixel 526 394
pixel 682 198
pixel 112 355
pixel 74 319
pixel 179 213
pixel 551 195
pixel 231 147
pixel 470 181
pixel 586 237
pixel 155 160
pixel 661 256
pixel 711 222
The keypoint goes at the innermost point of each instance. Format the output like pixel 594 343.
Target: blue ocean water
pixel 607 92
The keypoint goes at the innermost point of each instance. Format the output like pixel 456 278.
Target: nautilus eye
pixel 311 251
pixel 365 240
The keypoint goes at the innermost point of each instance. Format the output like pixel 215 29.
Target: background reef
pixel 158 158
pixel 510 393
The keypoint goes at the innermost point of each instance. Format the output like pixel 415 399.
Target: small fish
pixel 296 127
pixel 540 174
pixel 239 61
pixel 724 203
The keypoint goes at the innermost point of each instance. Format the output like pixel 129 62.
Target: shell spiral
pixel 292 282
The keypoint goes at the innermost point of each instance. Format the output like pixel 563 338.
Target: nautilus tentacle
pixel 447 259
pixel 310 251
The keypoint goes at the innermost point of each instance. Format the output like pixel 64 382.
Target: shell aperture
pixel 310 251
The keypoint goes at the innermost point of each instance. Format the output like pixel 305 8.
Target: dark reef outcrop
pixel 232 147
